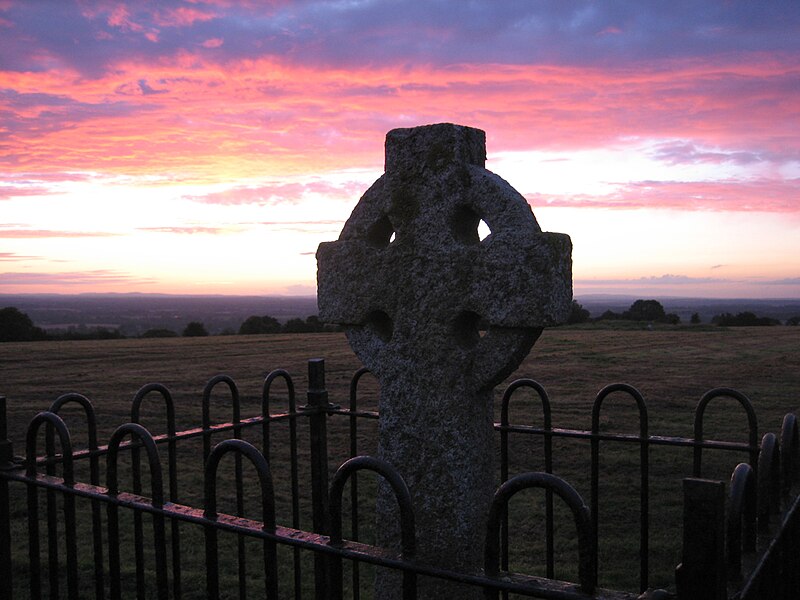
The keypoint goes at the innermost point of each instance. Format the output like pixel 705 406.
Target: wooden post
pixel 701 574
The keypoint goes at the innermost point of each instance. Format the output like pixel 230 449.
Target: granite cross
pixel 441 317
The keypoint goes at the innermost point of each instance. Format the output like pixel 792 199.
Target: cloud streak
pixel 13 257
pixel 8 192
pixel 266 194
pixel 51 233
pixel 189 230
pixel 781 196
pixel 70 279
pixel 661 280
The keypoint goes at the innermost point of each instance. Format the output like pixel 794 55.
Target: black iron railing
pixel 735 550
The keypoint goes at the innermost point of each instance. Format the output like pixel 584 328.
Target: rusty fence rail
pixel 760 528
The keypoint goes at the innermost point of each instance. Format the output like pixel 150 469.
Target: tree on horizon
pixel 195 329
pixel 16 326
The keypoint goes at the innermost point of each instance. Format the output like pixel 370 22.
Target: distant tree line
pixel 253 325
pixel 266 324
pixel 747 319
pixel 652 311
pixel 16 326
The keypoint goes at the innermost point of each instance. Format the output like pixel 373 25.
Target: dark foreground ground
pixel 672 368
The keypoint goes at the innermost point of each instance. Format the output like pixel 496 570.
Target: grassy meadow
pixel 671 366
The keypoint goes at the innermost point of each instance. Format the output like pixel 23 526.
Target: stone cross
pixel 441 317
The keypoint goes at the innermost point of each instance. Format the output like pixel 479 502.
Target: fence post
pixel 701 574
pixel 318 430
pixel 6 455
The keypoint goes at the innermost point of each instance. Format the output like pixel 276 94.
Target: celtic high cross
pixel 441 317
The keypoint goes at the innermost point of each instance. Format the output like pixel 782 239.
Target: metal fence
pixel 95 542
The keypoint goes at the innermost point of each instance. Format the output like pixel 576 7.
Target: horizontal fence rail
pixel 755 537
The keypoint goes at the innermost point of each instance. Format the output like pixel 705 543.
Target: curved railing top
pixel 209 388
pixel 625 388
pixel 267 388
pixel 530 384
pixel 143 436
pixel 166 395
pixel 57 423
pixel 246 449
pixel 354 381
pixel 723 392
pixel 399 487
pixel 790 451
pixel 741 516
pixel 88 409
pixel 587 573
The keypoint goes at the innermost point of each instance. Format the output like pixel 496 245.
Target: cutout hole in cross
pixel 464 223
pixel 381 324
pixel 381 233
pixel 483 230
pixel 469 327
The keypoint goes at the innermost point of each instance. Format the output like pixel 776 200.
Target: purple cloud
pixel 90 38
pixel 35 114
pixel 685 152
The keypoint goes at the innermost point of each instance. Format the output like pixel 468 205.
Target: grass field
pixel 671 367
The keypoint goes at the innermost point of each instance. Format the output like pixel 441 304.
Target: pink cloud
pixel 119 16
pixel 78 278
pixel 12 257
pixel 12 191
pixel 725 195
pixel 321 226
pixel 264 113
pixel 263 194
pixel 181 16
pixel 186 230
pixel 610 30
pixel 40 177
pixel 279 193
pixel 176 110
pixel 213 43
pixel 50 233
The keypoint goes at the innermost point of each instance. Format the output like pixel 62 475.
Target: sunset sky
pixel 209 146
